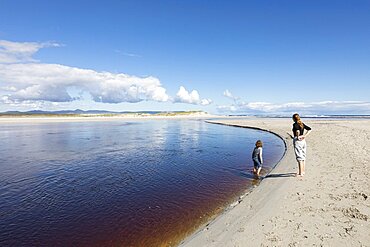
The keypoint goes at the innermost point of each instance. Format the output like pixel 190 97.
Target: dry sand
pixel 330 206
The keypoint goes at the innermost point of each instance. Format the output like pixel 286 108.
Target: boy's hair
pixel 259 144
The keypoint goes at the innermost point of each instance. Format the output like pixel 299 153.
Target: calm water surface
pixel 133 183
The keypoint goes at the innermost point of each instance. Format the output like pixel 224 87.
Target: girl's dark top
pixel 256 153
pixel 297 127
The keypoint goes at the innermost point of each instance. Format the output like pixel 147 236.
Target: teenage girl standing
pixel 299 142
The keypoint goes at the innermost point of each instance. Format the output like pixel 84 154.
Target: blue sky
pixel 224 57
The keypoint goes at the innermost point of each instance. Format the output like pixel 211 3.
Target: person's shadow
pixel 281 175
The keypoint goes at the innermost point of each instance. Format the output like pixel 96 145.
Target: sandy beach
pixel 330 206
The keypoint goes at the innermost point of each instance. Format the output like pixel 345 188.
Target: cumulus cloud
pixel 27 103
pixel 26 81
pixel 50 82
pixel 308 108
pixel 206 101
pixel 228 94
pixel 20 52
pixel 183 96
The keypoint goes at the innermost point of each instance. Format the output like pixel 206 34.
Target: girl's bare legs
pixel 303 167
pixel 300 167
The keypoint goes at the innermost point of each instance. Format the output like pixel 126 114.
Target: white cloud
pixel 27 103
pixel 21 52
pixel 206 101
pixel 322 107
pixel 25 81
pixel 50 82
pixel 9 88
pixel 127 54
pixel 307 108
pixel 183 96
pixel 228 94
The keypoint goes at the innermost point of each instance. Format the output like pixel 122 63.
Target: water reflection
pixel 134 183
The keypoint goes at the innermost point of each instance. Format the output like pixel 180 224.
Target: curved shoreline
pixel 329 206
pixel 257 128
pixel 189 239
pixel 233 204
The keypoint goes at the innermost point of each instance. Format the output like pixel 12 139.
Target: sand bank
pixel 330 206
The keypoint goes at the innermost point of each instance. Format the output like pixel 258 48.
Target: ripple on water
pixel 111 183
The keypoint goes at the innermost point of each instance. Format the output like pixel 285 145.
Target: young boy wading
pixel 257 158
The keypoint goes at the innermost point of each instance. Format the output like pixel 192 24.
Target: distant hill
pixel 38 112
pixel 92 112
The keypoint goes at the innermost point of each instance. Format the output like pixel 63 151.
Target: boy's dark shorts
pixel 257 164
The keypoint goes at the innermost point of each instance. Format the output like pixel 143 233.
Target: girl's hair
pixel 259 144
pixel 298 120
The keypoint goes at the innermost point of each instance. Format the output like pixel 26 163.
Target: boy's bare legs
pixel 303 167
pixel 258 171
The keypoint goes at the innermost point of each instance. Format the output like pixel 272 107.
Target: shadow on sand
pixel 281 175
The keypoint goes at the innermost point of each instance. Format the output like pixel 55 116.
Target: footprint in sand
pixel 354 213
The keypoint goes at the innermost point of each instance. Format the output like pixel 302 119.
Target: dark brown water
pixel 143 183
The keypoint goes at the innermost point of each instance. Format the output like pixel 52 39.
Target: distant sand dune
pixel 86 118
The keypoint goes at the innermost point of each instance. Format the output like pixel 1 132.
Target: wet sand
pixel 329 206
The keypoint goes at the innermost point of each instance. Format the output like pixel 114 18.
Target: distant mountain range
pixel 79 111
